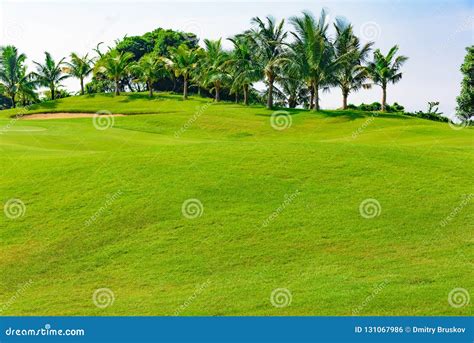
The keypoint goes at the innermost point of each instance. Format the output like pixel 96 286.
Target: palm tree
pixel 114 65
pixel 386 69
pixel 268 40
pixel 351 75
pixel 182 61
pixel 315 53
pixel 245 69
pixel 11 66
pixel 215 66
pixel 50 74
pixel 79 67
pixel 149 69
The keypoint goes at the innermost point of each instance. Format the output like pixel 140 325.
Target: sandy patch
pixel 64 115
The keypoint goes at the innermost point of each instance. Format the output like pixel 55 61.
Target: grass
pixel 280 210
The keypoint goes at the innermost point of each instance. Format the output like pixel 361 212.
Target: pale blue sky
pixel 433 34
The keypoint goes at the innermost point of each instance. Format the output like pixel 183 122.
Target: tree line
pixel 296 66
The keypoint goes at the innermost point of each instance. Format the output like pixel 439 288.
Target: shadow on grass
pixel 348 115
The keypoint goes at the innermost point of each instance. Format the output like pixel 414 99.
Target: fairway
pixel 201 208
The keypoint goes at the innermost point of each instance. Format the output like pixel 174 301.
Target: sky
pixel 433 34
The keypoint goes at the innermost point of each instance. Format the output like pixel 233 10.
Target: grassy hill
pixel 280 209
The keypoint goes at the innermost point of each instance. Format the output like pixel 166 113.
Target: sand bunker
pixel 63 115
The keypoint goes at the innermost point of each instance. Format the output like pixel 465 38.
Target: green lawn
pixel 280 210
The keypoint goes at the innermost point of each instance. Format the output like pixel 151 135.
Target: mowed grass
pixel 280 210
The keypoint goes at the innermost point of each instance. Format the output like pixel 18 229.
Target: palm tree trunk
pixel 270 93
pixel 246 95
pixel 150 88
pixel 236 97
pixel 53 95
pixel 218 91
pixel 12 97
pixel 185 88
pixel 117 90
pixel 311 95
pixel 316 96
pixel 82 86
pixel 199 90
pixel 345 94
pixel 384 97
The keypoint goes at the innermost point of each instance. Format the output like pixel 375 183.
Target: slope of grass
pixel 280 210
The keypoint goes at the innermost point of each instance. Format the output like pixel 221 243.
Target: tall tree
pixel 244 68
pixel 149 69
pixel 351 74
pixel 182 62
pixel 50 74
pixel 386 69
pixel 315 52
pixel 79 67
pixel 11 67
pixel 114 65
pixel 269 43
pixel 215 66
pixel 465 108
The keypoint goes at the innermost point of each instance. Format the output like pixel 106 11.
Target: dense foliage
pixel 465 108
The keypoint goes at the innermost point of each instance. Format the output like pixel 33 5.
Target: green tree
pixel 149 69
pixel 79 67
pixel 315 53
pixel 182 62
pixel 50 74
pixel 114 65
pixel 351 75
pixel 244 67
pixel 215 66
pixel 465 107
pixel 269 44
pixel 386 69
pixel 11 71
